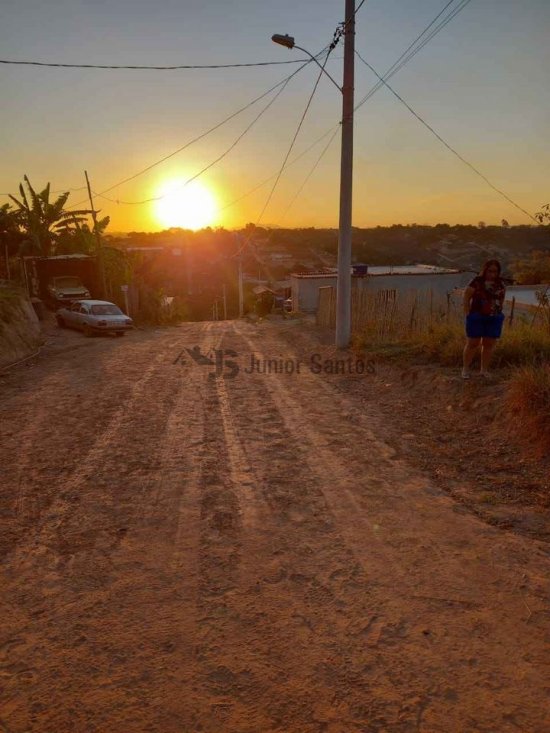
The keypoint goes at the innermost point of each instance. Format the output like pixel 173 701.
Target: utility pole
pixel 224 303
pixel 343 287
pixel 99 248
pixel 241 298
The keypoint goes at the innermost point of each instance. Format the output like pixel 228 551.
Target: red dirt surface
pixel 183 552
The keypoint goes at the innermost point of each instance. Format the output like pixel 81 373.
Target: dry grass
pixel 434 332
pixel 423 334
pixel 528 404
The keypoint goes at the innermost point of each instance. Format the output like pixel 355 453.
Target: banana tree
pixel 74 236
pixel 43 220
pixel 10 233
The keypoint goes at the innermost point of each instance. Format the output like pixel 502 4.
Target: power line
pixel 393 69
pixel 418 44
pixel 311 172
pixel 212 163
pixel 294 160
pixel 296 133
pixel 338 33
pixel 140 67
pixel 445 143
pixel 149 68
pixel 207 132
pixel 438 28
pixel 335 39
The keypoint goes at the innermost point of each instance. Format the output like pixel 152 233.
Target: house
pixel 394 279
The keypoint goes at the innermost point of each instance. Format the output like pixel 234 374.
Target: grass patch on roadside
pixel 443 343
pixel 527 402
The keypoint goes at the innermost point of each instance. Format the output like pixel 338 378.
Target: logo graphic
pixel 228 368
pixel 215 358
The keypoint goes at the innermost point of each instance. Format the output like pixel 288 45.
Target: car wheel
pixel 119 333
pixel 60 322
pixel 87 331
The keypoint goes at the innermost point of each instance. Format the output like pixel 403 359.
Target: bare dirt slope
pixel 183 552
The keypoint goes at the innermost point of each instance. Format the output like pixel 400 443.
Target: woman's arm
pixel 468 292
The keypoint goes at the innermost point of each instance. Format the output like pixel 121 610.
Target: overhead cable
pixel 445 143
pixel 212 163
pixel 295 136
pixel 136 67
pixel 282 82
pixel 417 45
pixel 311 172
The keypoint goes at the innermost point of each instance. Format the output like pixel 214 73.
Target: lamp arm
pixel 313 58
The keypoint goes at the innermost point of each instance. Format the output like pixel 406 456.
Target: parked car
pixel 66 288
pixel 94 316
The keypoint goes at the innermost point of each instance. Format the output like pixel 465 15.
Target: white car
pixel 94 316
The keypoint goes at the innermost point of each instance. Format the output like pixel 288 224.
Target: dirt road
pixel 187 552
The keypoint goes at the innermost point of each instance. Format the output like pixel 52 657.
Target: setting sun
pixel 191 206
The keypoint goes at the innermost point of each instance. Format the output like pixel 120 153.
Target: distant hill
pixel 277 252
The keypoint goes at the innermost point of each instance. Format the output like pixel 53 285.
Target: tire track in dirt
pixel 108 598
pixel 182 611
pixel 433 586
pixel 41 435
pixel 233 513
pixel 94 457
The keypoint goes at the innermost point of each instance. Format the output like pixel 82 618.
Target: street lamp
pixel 343 283
pixel 288 42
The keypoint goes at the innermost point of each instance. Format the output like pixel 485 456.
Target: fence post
pixel 413 310
pixel 511 318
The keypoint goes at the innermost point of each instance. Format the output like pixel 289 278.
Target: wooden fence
pixel 389 313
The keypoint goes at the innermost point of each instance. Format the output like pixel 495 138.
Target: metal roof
pixel 382 270
pixel 89 301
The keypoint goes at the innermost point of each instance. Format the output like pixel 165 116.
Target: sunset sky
pixel 482 83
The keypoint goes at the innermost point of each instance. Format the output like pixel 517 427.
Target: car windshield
pixel 67 282
pixel 107 309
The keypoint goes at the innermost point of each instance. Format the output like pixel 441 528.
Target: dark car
pixel 66 289
pixel 94 316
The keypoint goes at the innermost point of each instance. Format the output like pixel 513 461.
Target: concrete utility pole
pixel 241 298
pixel 99 248
pixel 343 286
pixel 224 302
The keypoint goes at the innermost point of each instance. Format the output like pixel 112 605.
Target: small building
pixel 394 279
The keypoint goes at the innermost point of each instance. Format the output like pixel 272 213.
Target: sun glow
pixel 191 206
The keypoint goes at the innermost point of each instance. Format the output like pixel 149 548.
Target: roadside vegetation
pixel 528 404
pixel 415 332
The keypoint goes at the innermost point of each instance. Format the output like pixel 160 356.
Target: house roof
pixel 381 270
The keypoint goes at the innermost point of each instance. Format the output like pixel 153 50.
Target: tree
pixel 544 214
pixel 533 270
pixel 75 236
pixel 505 224
pixel 43 221
pixel 10 234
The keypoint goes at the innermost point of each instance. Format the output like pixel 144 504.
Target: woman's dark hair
pixel 487 265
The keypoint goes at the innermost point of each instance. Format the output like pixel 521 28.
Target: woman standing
pixel 483 303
